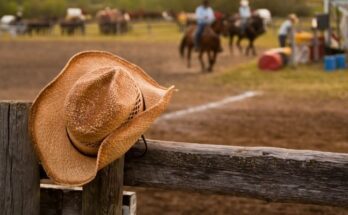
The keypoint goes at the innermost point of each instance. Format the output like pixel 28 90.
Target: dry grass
pixel 160 32
pixel 305 80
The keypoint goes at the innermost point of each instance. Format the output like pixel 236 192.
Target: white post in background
pixel 328 33
pixel 293 47
pixel 326 6
pixel 315 40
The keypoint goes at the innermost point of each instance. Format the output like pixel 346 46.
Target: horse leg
pixel 253 48
pixel 189 50
pixel 230 43
pixel 248 48
pixel 212 60
pixel 200 57
pixel 209 56
pixel 239 45
pixel 83 29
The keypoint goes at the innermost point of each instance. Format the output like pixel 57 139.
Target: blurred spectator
pixel 286 28
pixel 182 21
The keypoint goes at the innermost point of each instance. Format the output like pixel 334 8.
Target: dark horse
pixel 39 26
pixel 210 43
pixel 72 26
pixel 254 28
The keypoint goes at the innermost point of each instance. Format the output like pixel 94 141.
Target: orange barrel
pixel 303 37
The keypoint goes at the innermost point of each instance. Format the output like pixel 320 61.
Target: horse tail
pixel 182 46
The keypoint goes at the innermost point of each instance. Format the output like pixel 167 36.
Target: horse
pixel 72 26
pixel 112 21
pixel 255 28
pixel 39 26
pixel 210 43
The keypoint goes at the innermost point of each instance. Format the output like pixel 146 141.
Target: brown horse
pixel 210 43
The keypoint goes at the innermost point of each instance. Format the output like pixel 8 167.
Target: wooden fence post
pixel 19 170
pixel 103 196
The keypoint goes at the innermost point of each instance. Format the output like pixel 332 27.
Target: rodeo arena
pixel 174 107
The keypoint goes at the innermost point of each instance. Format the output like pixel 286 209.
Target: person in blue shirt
pixel 205 16
pixel 244 14
pixel 285 29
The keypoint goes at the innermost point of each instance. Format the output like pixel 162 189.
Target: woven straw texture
pixel 91 114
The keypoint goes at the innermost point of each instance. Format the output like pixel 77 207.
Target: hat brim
pixel 63 163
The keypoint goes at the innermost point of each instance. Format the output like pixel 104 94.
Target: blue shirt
pixel 204 15
pixel 244 12
pixel 285 28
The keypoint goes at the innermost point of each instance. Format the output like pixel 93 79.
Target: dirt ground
pixel 266 120
pixel 27 66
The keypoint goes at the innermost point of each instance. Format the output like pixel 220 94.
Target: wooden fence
pixel 271 174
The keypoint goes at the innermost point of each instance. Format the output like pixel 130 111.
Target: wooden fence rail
pixel 272 174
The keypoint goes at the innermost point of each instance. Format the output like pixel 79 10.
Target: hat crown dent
pixel 98 103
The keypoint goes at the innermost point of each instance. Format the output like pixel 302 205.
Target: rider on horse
pixel 244 14
pixel 205 16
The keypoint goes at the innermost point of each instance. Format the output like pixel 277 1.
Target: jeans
pixel 282 40
pixel 198 35
pixel 243 25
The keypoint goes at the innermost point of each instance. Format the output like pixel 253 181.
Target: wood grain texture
pixel 60 202
pixel 271 174
pixel 129 205
pixel 103 196
pixel 19 172
pixel 4 144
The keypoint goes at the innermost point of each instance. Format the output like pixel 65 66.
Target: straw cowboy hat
pixel 244 2
pixel 91 114
pixel 293 17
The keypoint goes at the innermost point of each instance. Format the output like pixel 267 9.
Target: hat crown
pixel 98 103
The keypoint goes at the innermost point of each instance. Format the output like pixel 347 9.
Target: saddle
pixel 207 31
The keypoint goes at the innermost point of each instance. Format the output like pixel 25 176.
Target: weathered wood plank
pixel 103 196
pixel 62 200
pixel 4 139
pixel 129 203
pixel 19 172
pixel 272 174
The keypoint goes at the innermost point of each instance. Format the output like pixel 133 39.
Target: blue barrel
pixel 329 63
pixel 341 61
